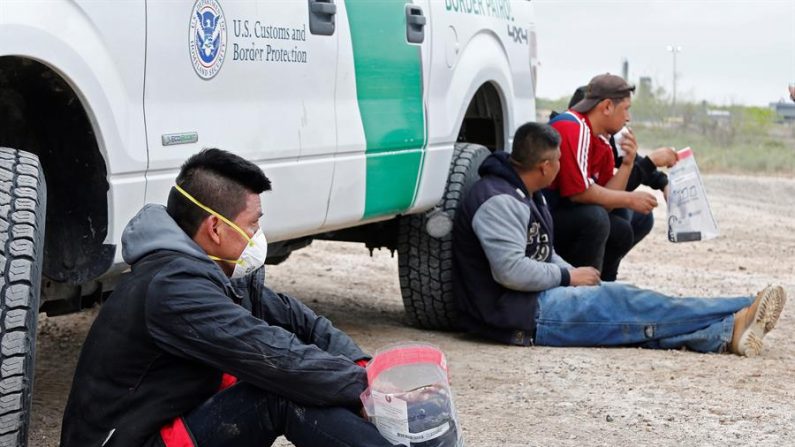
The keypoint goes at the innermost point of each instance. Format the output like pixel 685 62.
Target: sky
pixel 732 52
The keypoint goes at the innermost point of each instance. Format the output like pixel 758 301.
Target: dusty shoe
pixel 755 321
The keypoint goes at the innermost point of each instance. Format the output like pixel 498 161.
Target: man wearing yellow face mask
pixel 192 349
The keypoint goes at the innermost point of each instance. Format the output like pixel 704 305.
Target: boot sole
pixel 770 305
pixel 778 299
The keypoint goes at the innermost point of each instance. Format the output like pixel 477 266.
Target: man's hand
pixel 629 145
pixel 584 276
pixel 664 157
pixel 641 202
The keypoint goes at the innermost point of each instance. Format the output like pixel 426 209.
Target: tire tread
pixel 425 263
pixel 22 218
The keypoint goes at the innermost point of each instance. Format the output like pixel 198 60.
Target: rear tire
pixel 23 204
pixel 426 262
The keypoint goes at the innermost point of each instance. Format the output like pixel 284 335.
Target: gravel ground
pixel 512 396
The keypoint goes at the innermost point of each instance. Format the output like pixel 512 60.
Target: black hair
pixel 578 96
pixel 531 142
pixel 218 179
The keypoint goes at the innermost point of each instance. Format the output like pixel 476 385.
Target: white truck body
pixel 300 120
pixel 355 109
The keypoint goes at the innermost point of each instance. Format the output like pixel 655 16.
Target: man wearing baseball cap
pixel 587 189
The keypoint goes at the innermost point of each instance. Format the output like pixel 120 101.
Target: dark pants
pixel 243 416
pixel 588 235
pixel 641 223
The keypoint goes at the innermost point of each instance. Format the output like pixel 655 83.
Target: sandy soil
pixel 510 396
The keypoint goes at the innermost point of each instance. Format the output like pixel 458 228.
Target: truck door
pixel 249 77
pixel 381 122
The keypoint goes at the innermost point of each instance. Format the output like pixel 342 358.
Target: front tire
pixel 23 204
pixel 426 262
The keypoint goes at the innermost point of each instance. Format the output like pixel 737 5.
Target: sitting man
pixel 587 191
pixel 512 286
pixel 636 226
pixel 161 362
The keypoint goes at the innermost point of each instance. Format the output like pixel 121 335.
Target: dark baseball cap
pixel 601 87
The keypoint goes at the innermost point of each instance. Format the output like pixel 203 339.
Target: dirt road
pixel 509 396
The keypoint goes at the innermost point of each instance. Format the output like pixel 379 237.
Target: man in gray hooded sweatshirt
pixel 192 349
pixel 512 286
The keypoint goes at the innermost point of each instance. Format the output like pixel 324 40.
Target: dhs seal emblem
pixel 207 41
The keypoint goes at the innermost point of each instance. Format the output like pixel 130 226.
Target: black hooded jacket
pixel 503 254
pixel 176 323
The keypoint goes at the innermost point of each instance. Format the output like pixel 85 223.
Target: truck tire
pixel 23 203
pixel 425 262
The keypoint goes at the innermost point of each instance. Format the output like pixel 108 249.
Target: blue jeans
pixel 615 314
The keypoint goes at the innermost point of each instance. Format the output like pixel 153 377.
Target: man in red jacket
pixel 587 189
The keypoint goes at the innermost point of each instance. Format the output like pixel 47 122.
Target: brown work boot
pixel 755 321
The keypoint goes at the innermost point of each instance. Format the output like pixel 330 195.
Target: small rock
pixel 609 418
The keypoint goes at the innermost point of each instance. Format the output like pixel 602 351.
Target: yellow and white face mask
pixel 254 253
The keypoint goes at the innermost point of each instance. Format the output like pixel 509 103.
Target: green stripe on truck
pixel 389 92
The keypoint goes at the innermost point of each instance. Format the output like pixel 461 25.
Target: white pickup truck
pixel 370 117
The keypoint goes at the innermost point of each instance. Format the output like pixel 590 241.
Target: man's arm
pixel 642 172
pixel 664 156
pixel 620 178
pixel 630 148
pixel 639 201
pixel 637 176
pixel 293 315
pixel 501 227
pixel 560 262
pixel 188 316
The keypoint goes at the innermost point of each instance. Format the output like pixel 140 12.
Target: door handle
pixel 321 17
pixel 415 24
pixel 323 8
pixel 419 21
